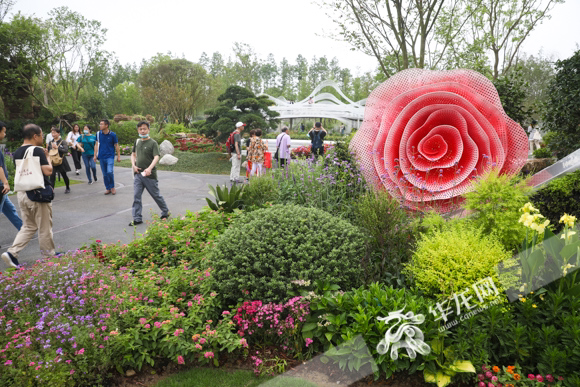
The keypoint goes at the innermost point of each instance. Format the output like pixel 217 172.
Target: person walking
pixel 6 206
pixel 535 137
pixel 236 159
pixel 302 127
pixel 57 151
pixel 144 159
pixel 249 142
pixel 86 144
pixel 283 147
pixel 72 142
pixel 105 147
pixel 36 216
pixel 257 150
pixel 317 134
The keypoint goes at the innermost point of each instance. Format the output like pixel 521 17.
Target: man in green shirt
pixel 144 159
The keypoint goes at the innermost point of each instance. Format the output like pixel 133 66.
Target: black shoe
pixel 10 260
pixel 66 191
pixel 163 217
pixel 95 179
pixel 135 222
pixel 90 182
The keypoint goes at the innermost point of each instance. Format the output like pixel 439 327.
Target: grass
pixel 205 163
pixel 209 377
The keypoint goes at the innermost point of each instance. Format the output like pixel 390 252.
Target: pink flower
pixel 98 241
pixel 488 374
pixel 31 364
pixel 157 324
pixel 104 328
pixel 481 377
pixel 481 384
pixel 490 384
pixel 308 341
pixel 225 312
pixel 202 340
pixel 92 335
pixel 531 377
pixel 68 361
pixel 180 360
pixel 142 320
pixel 8 362
pixel 494 378
pixel 198 346
pixel 81 351
pixel 72 372
pixel 539 378
pixel 549 378
pixel 189 304
pixel 208 355
pixel 244 343
pixel 147 326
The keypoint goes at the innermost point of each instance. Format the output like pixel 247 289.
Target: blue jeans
pixel 8 209
pixel 90 165
pixel 107 169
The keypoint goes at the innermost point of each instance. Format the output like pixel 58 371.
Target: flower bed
pixel 200 145
pixel 303 152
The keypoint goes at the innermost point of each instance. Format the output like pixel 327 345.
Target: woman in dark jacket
pixel 58 143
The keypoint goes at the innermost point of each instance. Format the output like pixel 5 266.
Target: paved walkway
pixel 86 213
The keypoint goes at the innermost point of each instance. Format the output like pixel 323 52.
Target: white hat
pixel 240 123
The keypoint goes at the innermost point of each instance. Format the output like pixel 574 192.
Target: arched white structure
pixel 324 105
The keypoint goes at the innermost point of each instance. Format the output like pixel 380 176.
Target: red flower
pixel 428 134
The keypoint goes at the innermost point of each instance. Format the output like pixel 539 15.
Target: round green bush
pixel 259 255
pixel 450 260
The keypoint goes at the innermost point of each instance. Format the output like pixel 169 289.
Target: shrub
pixel 121 117
pixel 175 128
pixel 560 196
pixel 126 131
pixel 259 192
pixel 543 153
pixel 168 243
pixel 337 318
pixel 538 333
pixel 281 244
pixel 496 202
pixel 390 236
pixel 333 185
pixel 448 261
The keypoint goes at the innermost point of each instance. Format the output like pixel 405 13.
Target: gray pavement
pixel 86 213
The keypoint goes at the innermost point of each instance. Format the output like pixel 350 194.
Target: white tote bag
pixel 28 174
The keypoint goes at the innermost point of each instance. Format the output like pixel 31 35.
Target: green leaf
pixel 308 327
pixel 437 346
pixel 430 377
pixel 462 366
pixel 443 379
pixel 568 251
pixel 329 336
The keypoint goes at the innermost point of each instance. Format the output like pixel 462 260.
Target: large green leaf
pixel 462 366
pixel 443 379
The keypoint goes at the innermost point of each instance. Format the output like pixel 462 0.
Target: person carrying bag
pixel 57 150
pixel 34 195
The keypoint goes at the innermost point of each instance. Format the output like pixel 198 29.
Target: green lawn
pixel 189 162
pixel 210 377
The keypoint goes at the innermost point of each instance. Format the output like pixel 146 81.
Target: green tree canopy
pixel 239 104
pixel 562 110
pixel 176 87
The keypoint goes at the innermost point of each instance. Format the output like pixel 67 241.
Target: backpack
pixel 231 143
pixel 316 140
pixel 55 156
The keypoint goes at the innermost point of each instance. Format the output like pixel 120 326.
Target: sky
pixel 138 29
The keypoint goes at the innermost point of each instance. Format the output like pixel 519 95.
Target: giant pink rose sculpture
pixel 427 134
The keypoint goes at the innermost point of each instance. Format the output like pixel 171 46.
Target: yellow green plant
pixel 449 260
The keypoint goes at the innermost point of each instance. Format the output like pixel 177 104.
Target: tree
pixel 175 87
pixel 125 99
pixel 505 25
pixel 562 110
pixel 512 93
pixel 239 104
pixel 246 67
pixel 537 71
pixel 72 49
pixel 399 34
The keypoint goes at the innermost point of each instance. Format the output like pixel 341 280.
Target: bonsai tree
pixel 238 104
